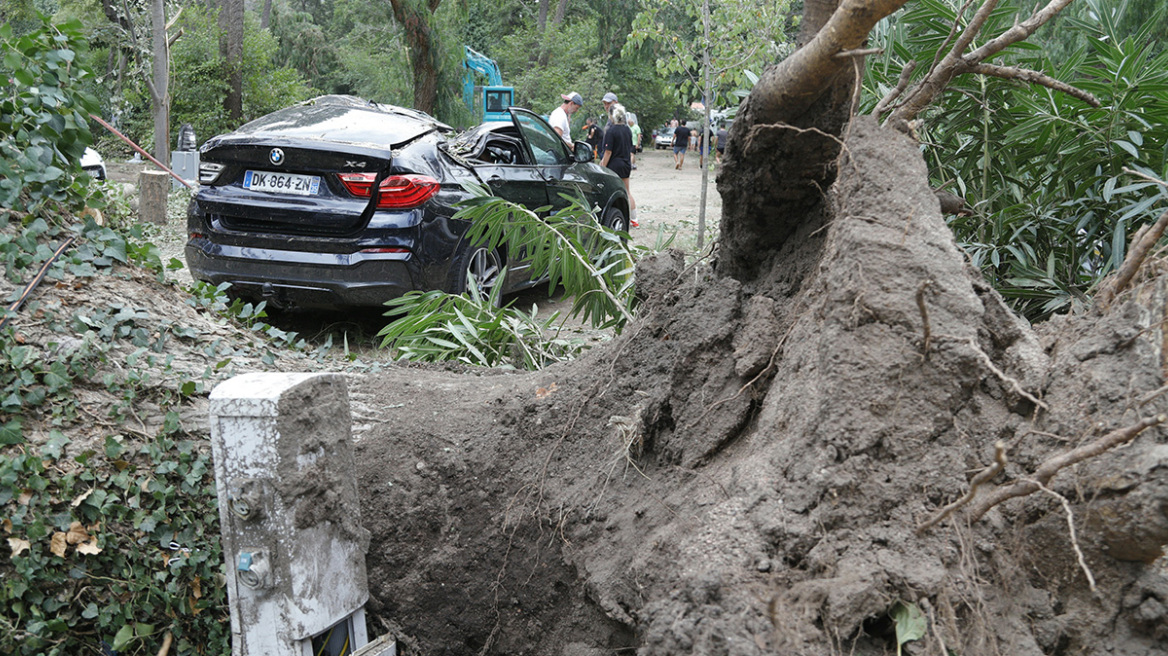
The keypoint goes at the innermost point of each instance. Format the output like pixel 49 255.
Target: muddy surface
pixel 745 469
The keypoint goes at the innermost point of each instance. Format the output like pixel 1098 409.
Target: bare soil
pixel 744 469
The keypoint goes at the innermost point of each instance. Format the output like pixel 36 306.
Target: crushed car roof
pixel 340 119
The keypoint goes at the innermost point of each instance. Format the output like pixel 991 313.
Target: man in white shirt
pixel 559 116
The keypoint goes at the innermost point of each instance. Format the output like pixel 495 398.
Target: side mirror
pixel 583 152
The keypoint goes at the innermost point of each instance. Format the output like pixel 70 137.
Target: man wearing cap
pixel 559 116
pixel 609 100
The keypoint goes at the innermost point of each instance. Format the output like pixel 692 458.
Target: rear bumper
pixel 287 278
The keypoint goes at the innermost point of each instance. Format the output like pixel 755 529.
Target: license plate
pixel 284 183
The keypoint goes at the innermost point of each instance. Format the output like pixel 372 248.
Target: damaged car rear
pixel 340 202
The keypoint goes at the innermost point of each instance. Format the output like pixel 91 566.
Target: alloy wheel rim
pixel 484 266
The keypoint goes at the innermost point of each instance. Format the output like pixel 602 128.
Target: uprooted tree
pixel 836 428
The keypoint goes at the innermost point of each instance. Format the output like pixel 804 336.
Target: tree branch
pixel 954 63
pixel 1019 32
pixel 901 85
pixel 1033 77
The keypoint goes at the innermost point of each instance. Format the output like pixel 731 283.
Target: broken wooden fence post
pixel 289 517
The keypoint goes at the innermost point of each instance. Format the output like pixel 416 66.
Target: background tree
pixel 709 47
pixel 417 18
pixel 231 50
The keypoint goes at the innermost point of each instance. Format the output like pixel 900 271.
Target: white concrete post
pixel 289 516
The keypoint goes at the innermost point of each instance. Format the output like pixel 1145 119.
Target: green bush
pixel 1052 209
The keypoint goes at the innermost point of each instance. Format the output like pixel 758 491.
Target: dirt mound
pixel 745 469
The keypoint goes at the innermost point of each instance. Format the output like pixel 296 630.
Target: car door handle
pixel 495 179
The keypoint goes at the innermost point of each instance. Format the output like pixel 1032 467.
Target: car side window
pixel 546 146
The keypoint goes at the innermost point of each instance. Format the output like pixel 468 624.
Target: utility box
pixel 185 164
pixel 289 516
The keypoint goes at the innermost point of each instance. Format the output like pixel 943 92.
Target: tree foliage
pixel 744 36
pixel 1051 208
pixel 44 118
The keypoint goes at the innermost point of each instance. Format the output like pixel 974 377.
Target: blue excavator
pixel 496 98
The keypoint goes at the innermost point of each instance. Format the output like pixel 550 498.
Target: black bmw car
pixel 340 202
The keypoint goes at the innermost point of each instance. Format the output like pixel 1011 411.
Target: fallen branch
pixel 1047 470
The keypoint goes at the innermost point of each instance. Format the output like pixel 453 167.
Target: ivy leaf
pixel 123 637
pixel 10 433
pixel 910 623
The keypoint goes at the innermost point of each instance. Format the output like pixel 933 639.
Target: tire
pixel 486 266
pixel 614 218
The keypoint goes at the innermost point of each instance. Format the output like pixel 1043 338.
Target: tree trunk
pixel 231 49
pixel 543 14
pixel 266 16
pixel 416 18
pixel 160 86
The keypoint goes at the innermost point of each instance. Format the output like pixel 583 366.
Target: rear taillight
pixel 398 192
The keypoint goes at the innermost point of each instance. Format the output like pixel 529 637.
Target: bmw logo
pixel 276 156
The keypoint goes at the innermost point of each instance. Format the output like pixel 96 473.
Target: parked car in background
pixel 340 202
pixel 664 139
pixel 93 163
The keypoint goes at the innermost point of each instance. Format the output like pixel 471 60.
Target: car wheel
pixel 481 262
pixel 614 218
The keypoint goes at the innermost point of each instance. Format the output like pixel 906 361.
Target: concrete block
pixel 288 507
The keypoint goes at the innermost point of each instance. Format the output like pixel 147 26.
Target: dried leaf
pixel 78 501
pixel 197 588
pixel 25 497
pixel 77 534
pixel 58 544
pixel 6 524
pixel 545 391
pixel 89 548
pixel 18 546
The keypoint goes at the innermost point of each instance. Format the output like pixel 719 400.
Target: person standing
pixel 636 130
pixel 592 135
pixel 680 144
pixel 618 150
pixel 609 101
pixel 720 144
pixel 559 117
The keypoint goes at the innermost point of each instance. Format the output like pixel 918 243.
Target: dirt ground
pixel 745 469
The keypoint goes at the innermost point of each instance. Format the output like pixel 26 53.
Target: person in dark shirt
pixel 593 135
pixel 680 144
pixel 618 152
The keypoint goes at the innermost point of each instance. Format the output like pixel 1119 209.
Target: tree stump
pixel 152 191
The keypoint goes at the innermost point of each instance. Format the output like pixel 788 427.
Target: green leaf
pixel 123 637
pixel 10 433
pixel 910 623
